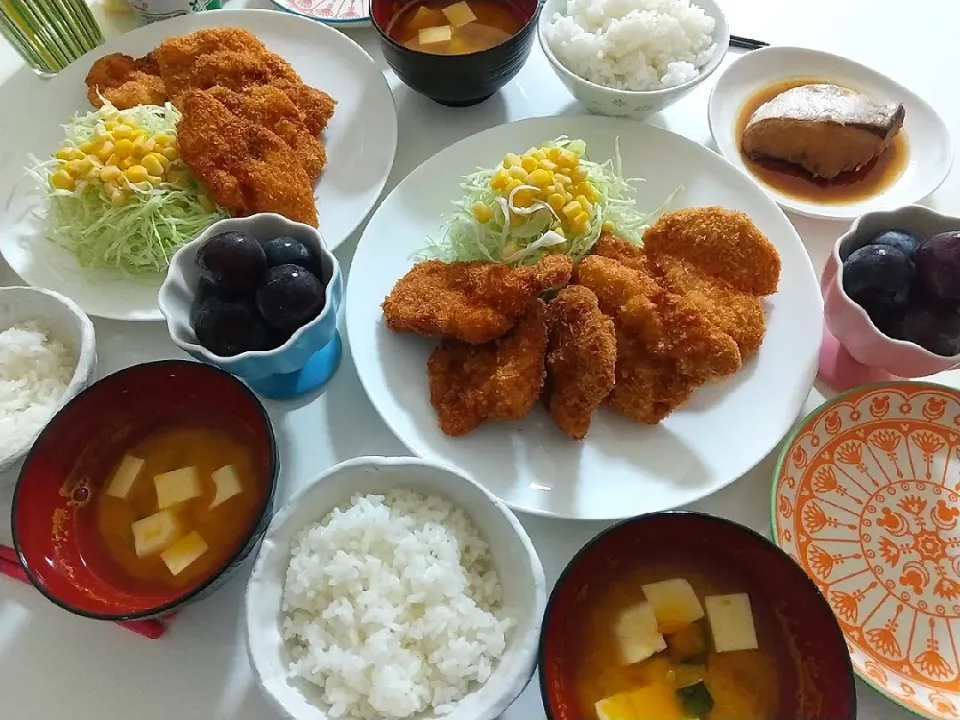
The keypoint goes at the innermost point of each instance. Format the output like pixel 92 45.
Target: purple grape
pixel 938 265
pixel 878 276
pixel 233 262
pixel 933 327
pixel 229 328
pixel 290 297
pixel 899 239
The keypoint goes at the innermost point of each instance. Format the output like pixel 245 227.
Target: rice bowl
pixel 394 588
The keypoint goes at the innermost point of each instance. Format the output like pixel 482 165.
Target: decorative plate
pixel 333 12
pixel 867 500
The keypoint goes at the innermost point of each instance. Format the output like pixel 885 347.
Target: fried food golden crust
pixel 246 168
pixel 317 107
pixel 581 363
pixel 626 253
pixel 736 313
pixel 720 243
pixel 473 302
pixel 270 108
pixel 701 351
pixel 499 380
pixel 623 293
pixel 125 82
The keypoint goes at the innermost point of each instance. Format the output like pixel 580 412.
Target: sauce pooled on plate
pixel 442 27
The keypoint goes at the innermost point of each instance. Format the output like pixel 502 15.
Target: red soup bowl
pixel 55 518
pixel 799 639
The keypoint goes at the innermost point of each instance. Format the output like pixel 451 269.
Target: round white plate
pixel 361 141
pixel 338 13
pixel 930 148
pixel 622 468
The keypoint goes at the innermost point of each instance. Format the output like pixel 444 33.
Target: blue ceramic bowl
pixel 302 364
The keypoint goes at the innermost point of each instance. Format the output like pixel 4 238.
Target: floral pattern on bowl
pixel 867 500
pixel 334 12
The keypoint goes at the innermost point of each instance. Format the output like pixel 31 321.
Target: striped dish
pixel 49 34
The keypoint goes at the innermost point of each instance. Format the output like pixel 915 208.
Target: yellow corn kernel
pixel 171 153
pixel 571 209
pixel 512 185
pixel 73 167
pixel 567 159
pixel 539 178
pixel 206 203
pixel 62 180
pixel 123 131
pixel 584 203
pixel 511 160
pixel 511 248
pixel 481 212
pixel 88 148
pixel 560 231
pixel 110 173
pixel 540 154
pixel 123 148
pixel 65 154
pixel 523 198
pixel 581 221
pixel 578 175
pixel 591 192
pixel 126 163
pixel 153 165
pixel 607 226
pixel 563 179
pixel 163 140
pixel 499 180
pixel 105 152
pixel 553 154
pixel 518 173
pixel 110 125
pixel 556 201
pixel 136 174
pixel 101 133
pixel 85 165
pixel 548 165
pixel 118 197
pixel 529 163
pixel 154 180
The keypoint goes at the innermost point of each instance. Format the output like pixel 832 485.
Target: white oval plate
pixel 622 468
pixel 361 141
pixel 338 13
pixel 930 148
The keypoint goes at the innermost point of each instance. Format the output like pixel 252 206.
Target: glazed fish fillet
pixel 826 129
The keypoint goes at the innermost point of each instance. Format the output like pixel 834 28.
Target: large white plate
pixel 622 468
pixel 929 146
pixel 361 142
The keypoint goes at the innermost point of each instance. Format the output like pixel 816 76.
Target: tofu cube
pixel 155 533
pixel 427 17
pixel 731 622
pixel 125 476
pixel 431 35
pixel 651 702
pixel 177 486
pixel 228 485
pixel 183 553
pixel 675 603
pixel 637 633
pixel 459 14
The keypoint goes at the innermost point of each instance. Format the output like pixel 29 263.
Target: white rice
pixel 392 607
pixel 35 371
pixel 632 44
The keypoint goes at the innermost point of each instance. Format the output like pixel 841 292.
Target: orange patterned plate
pixel 867 500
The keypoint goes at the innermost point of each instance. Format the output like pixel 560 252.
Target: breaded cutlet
pixel 125 82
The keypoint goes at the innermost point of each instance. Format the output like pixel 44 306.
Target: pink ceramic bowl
pixel 850 324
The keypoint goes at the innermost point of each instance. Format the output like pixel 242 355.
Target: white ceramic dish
pixel 67 324
pixel 929 144
pixel 521 576
pixel 621 469
pixel 341 14
pixel 361 142
pixel 623 103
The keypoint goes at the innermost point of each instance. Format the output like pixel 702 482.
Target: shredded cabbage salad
pixel 140 235
pixel 522 235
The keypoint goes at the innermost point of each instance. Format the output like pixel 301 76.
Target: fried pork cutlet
pixel 125 82
pixel 268 107
pixel 246 168
pixel 582 357
pixel 499 380
pixel 626 253
pixel 473 302
pixel 720 243
pixel 624 294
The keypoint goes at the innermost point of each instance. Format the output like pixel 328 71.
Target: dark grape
pixel 229 328
pixel 290 297
pixel 938 265
pixel 234 262
pixel 878 276
pixel 899 239
pixel 289 251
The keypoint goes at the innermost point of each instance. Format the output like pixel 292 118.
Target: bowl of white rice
pixel 394 588
pixel 47 355
pixel 632 58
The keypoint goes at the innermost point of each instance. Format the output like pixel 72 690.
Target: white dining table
pixel 55 666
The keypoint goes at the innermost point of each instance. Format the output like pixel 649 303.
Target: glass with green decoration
pixel 49 34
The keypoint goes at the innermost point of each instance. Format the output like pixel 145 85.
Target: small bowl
pixel 816 676
pixel 69 325
pixel 455 80
pixel 875 356
pixel 518 566
pixel 627 103
pixel 54 517
pixel 301 365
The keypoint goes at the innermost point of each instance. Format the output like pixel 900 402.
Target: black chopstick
pixel 745 43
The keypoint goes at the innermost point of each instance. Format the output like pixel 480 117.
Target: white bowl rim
pixel 231 361
pixel 715 62
pixel 893 213
pixel 527 644
pixel 86 361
